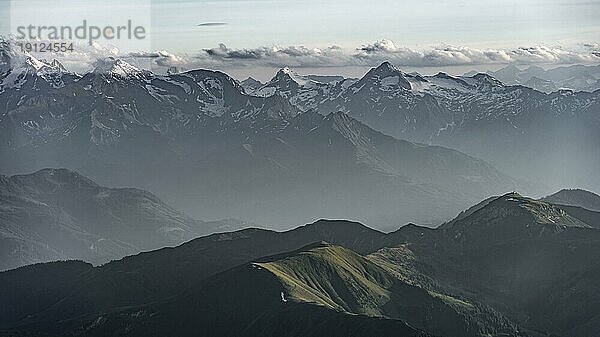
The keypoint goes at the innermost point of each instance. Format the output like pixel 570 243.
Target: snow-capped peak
pixel 16 66
pixel 386 76
pixel 117 68
pixel 387 67
pixel 251 80
pixel 487 79
pixel 44 67
pixel 33 62
pixel 287 73
pixel 250 84
pixel 15 59
pixel 286 70
pixel 442 77
pixel 55 64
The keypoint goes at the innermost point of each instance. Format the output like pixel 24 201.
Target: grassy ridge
pixel 340 279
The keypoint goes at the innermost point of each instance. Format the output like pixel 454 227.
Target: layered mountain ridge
pixel 217 152
pixel 415 281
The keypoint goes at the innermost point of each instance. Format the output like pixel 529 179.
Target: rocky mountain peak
pixel 386 77
pixel 115 67
pixel 287 74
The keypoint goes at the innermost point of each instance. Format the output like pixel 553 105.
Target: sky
pixel 348 23
pixel 347 36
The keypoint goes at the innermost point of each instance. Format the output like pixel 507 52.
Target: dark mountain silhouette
pixel 510 266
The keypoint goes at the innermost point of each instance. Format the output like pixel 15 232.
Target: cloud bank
pixel 386 50
pixel 367 55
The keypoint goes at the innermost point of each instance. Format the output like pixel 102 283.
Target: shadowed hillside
pixel 510 266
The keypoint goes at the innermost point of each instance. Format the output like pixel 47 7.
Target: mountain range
pixel 548 138
pixel 121 186
pixel 508 266
pixel 200 142
pixel 91 164
pixel 58 215
pixel 575 77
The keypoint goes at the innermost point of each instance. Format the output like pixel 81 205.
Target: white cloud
pixel 452 55
pixel 386 50
pixel 276 56
pixel 367 55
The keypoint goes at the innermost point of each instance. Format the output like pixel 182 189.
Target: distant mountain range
pixel 201 143
pixel 575 77
pixel 508 266
pixel 547 138
pixel 58 215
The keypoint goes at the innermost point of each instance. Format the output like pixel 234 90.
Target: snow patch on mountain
pixel 21 66
pixel 117 68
